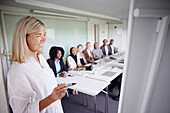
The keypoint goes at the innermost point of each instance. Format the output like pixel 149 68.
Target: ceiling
pixel 113 8
pixel 154 4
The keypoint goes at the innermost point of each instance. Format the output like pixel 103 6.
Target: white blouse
pixel 81 55
pixel 106 49
pixel 72 64
pixel 28 83
pixel 112 47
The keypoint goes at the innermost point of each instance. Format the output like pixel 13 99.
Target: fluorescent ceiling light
pixel 63 8
pixel 54 14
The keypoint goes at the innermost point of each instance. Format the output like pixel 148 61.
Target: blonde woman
pixel 97 52
pixel 32 86
pixel 80 55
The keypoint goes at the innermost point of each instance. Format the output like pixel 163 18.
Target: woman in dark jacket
pixel 56 61
pixel 57 65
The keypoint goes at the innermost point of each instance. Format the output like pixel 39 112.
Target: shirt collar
pixel 57 62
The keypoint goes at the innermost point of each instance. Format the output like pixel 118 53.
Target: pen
pixel 70 84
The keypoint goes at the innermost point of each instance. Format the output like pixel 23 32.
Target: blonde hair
pixel 25 26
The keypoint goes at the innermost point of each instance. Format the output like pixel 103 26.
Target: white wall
pixel 124 34
pixel 103 33
pixel 107 31
pixel 90 32
pixel 91 23
pixel 115 32
pixel 119 34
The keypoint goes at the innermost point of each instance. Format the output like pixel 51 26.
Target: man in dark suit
pixel 111 45
pixel 106 48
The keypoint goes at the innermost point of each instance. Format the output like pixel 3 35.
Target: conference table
pixel 93 82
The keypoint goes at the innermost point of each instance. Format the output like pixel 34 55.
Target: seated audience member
pixel 80 55
pixel 88 54
pixel 72 62
pixel 57 65
pixel 106 48
pixel 97 52
pixel 56 62
pixel 111 45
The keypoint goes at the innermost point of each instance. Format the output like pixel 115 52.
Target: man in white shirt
pixel 106 49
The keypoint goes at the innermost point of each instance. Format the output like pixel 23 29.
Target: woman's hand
pixel 58 92
pixel 81 69
pixel 63 74
pixel 75 69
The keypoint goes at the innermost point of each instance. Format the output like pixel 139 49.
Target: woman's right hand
pixel 58 92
